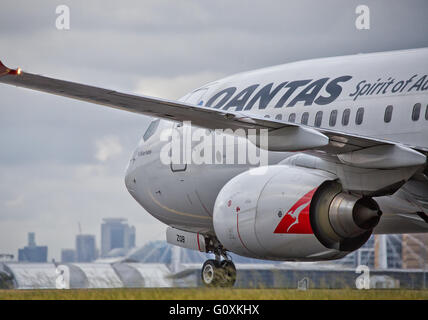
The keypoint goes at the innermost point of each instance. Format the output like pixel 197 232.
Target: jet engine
pixel 290 213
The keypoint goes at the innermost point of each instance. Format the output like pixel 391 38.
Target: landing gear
pixel 218 274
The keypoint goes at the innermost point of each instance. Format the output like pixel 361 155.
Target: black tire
pixel 211 274
pixel 228 273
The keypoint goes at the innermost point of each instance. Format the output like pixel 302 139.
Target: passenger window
pixel 305 117
pixel 292 117
pixel 278 117
pixel 333 118
pixel 416 112
pixel 426 113
pixel 345 116
pixel 318 119
pixel 360 116
pixel 388 114
pixel 151 129
pixel 267 116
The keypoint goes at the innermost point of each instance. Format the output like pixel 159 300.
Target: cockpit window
pixel 151 129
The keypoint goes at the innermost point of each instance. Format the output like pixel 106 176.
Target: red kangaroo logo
pixel 296 220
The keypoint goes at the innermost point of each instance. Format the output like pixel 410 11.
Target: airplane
pixel 347 146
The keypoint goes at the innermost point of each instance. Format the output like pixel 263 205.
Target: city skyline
pixel 128 243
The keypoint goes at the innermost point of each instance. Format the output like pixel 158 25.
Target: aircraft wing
pixel 283 135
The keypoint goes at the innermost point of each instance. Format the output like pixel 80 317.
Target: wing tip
pixel 5 70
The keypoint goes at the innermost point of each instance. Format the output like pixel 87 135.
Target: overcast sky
pixel 62 161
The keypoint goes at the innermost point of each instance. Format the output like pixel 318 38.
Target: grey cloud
pixel 172 38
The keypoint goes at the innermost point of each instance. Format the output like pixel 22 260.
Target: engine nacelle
pixel 291 213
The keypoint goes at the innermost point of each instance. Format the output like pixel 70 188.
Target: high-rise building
pixel 415 251
pixel 31 239
pixel 85 248
pixel 68 255
pixel 32 252
pixel 115 233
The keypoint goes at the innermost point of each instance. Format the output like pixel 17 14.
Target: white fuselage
pixel 183 196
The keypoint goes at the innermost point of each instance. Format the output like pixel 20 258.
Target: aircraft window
pixel 426 113
pixel 151 129
pixel 267 116
pixel 333 118
pixel 292 117
pixel 278 117
pixel 360 116
pixel 416 112
pixel 305 118
pixel 318 119
pixel 345 116
pixel 388 114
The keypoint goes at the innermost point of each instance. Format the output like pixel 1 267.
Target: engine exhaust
pixel 351 216
pixel 341 220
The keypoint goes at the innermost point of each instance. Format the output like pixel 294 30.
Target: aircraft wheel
pixel 215 274
pixel 211 273
pixel 229 273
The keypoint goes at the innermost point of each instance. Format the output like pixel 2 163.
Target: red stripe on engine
pixel 197 237
pixel 237 230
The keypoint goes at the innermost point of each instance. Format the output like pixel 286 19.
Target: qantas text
pixel 391 85
pixel 307 92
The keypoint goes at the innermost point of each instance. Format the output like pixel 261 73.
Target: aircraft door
pixel 181 165
pixel 178 164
